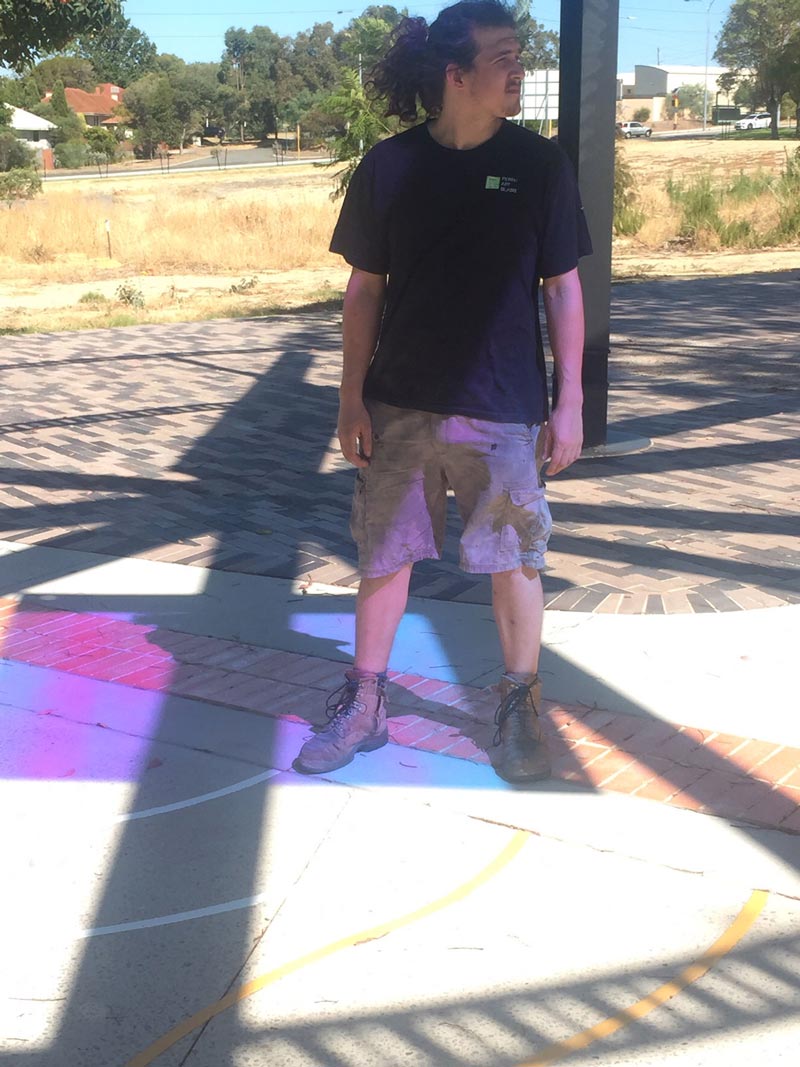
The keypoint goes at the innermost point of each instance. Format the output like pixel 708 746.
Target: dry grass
pixel 185 239
pixel 188 224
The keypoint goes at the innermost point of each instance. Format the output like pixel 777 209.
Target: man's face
pixel 495 79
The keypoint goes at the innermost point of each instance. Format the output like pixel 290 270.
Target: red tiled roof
pixel 101 102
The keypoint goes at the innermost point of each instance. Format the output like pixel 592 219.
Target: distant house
pixel 34 130
pixel 98 107
pixel 652 87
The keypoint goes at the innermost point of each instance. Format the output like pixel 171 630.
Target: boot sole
pixel 540 776
pixel 370 745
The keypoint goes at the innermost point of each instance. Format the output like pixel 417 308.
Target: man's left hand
pixel 563 438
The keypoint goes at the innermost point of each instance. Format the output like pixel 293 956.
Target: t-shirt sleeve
pixel 565 235
pixel 359 234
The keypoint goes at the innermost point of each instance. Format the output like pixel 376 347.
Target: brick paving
pixel 755 782
pixel 210 444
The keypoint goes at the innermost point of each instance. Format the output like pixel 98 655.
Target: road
pixel 236 159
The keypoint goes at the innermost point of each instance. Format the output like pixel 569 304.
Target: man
pixel 449 228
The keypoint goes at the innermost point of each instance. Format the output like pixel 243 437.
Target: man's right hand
pixel 355 432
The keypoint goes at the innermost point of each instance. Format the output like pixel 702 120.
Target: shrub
pixel 19 184
pixel 71 155
pixel 14 153
pixel 628 219
pixel 244 285
pixel 748 186
pixel 127 293
pixel 787 191
pixel 37 253
pixel 102 142
pixel 699 204
pixel 642 114
pixel 92 297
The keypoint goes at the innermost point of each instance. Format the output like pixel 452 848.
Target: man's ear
pixel 454 75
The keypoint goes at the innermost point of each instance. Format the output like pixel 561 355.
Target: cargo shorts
pixel 400 500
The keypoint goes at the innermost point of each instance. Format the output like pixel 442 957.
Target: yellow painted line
pixel 152 1052
pixel 721 947
pixel 553 1053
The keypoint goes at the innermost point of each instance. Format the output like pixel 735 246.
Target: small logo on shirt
pixel 503 185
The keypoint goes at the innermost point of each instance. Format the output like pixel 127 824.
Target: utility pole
pixel 586 131
pixel 708 44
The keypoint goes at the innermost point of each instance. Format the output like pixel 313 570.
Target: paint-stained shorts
pixel 400 499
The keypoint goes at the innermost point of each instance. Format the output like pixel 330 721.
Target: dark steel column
pixel 586 118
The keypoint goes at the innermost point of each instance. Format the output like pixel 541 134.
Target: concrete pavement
pixel 176 602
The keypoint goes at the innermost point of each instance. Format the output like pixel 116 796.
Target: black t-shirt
pixel 464 237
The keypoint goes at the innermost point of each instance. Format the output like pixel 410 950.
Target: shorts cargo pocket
pixel 526 522
pixel 358 510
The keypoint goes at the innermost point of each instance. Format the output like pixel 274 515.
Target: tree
pixel 73 72
pixel 363 122
pixel 120 54
pixel 690 97
pixel 102 142
pixel 761 39
pixel 539 46
pixel 5 113
pixel 258 66
pixel 313 59
pixel 59 100
pixel 20 92
pixel 19 184
pixel 69 127
pixel 151 104
pixel 14 153
pixel 196 92
pixel 365 39
pixel 29 27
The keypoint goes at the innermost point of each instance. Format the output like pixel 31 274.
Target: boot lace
pixel 509 711
pixel 343 703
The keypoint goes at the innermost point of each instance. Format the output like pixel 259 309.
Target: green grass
pixel 746 187
pixel 119 318
pixel 700 201
pixel 785 133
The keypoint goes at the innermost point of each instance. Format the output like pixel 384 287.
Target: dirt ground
pixel 28 301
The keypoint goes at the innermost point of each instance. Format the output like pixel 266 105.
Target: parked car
pixel 757 120
pixel 634 129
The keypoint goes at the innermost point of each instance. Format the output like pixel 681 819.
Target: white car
pixel 634 129
pixel 757 120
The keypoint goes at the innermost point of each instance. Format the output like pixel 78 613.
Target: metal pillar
pixel 586 118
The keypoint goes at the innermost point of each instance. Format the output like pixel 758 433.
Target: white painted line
pixel 145 813
pixel 168 920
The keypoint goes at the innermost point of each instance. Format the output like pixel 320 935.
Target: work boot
pixel 357 713
pixel 523 757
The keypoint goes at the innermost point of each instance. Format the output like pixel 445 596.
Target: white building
pixel 646 86
pixel 30 128
pixel 664 80
pixel 652 87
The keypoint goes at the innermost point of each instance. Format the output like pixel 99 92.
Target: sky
pixel 672 32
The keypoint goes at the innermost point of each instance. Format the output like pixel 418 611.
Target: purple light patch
pixel 58 726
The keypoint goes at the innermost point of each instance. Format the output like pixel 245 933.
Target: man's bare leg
pixel 380 605
pixel 519 612
pixel 518 604
pixel 358 720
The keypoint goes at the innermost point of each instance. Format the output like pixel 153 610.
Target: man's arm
pixel 563 306
pixel 363 311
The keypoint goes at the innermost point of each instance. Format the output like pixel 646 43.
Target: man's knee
pixel 504 577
